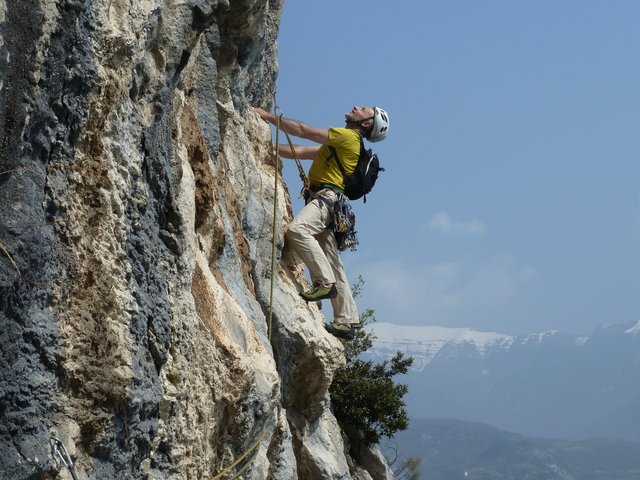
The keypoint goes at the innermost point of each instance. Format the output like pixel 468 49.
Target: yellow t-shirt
pixel 324 168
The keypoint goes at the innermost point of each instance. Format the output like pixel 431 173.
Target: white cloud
pixel 442 222
pixel 468 293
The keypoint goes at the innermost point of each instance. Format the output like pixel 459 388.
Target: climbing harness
pixel 344 220
pixel 239 472
pixel 59 449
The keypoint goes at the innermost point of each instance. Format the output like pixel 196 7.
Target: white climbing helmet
pixel 380 126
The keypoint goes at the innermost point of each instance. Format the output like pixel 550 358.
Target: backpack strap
pixel 334 154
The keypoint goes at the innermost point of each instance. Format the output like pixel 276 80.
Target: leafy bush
pixel 363 394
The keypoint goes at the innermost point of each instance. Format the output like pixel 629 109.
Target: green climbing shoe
pixel 320 293
pixel 341 330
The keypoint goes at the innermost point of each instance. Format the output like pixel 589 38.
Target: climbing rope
pixel 301 172
pixel 274 230
pixel 276 107
pixel 305 187
pixel 239 472
pixel 257 443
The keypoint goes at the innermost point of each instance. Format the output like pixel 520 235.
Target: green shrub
pixel 363 394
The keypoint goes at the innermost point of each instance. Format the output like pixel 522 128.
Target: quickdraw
pixel 344 224
pixel 59 449
pixel 344 220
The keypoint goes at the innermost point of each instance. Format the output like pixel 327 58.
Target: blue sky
pixel 511 197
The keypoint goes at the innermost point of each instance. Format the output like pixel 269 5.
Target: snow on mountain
pixel 424 343
pixel 635 329
pixel 552 384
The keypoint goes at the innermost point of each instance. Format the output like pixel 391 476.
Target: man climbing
pixel 311 233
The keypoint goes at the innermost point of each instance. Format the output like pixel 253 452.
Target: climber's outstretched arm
pixel 295 128
pixel 304 153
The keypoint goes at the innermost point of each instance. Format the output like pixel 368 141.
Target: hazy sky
pixel 511 197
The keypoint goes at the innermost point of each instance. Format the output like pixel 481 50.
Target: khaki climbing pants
pixel 313 239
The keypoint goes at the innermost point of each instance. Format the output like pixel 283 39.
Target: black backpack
pixel 364 177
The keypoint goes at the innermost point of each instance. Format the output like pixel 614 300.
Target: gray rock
pixel 137 315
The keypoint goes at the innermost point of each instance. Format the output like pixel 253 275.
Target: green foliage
pixel 363 394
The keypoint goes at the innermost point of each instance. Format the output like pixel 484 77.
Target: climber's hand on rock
pixel 263 113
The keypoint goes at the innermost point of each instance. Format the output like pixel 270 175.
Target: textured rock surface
pixel 135 286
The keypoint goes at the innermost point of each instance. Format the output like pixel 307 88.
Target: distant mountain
pixel 453 449
pixel 549 384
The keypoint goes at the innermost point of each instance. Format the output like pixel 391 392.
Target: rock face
pixel 138 314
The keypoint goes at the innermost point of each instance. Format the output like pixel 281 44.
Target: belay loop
pixel 344 224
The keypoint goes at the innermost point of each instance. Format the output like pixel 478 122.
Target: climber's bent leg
pixel 344 306
pixel 312 220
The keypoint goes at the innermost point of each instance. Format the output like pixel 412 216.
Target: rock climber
pixel 311 233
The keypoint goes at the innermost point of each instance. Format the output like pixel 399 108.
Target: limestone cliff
pixel 136 226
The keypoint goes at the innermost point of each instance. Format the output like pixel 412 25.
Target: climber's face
pixel 359 114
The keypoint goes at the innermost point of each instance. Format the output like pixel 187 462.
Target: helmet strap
pixel 360 122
